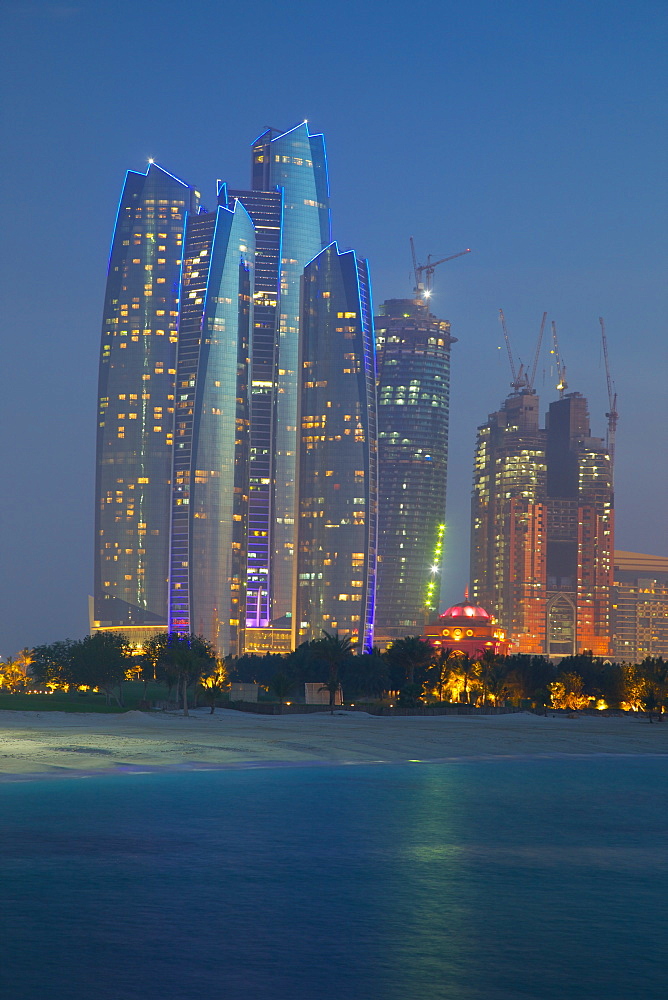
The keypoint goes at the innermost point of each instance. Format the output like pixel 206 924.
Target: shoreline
pixel 37 745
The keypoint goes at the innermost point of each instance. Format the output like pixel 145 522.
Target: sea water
pixel 489 879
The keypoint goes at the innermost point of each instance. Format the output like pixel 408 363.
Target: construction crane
pixel 520 380
pixel 612 415
pixel 532 377
pixel 562 384
pixel 424 287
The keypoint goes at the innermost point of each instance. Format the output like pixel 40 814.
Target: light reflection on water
pixel 490 880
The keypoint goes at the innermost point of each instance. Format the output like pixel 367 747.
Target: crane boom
pixel 562 384
pixel 519 378
pixel 531 378
pixel 428 269
pixel 612 414
pixel 415 265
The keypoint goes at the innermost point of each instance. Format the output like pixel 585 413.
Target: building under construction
pixel 542 529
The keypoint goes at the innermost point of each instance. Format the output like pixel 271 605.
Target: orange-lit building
pixel 542 526
pixel 467 628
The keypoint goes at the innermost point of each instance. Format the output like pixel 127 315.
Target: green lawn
pixel 62 702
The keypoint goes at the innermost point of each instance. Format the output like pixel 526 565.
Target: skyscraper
pixel 136 403
pixel 266 210
pixel 294 163
pixel 211 433
pixel 335 571
pixel 542 526
pixel 640 606
pixel 413 422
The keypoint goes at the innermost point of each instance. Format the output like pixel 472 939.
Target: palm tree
pixel 443 662
pixel 14 674
pixel 332 650
pixel 183 658
pixel 410 654
pixel 467 671
pixel 216 681
pixel 281 685
pixel 492 674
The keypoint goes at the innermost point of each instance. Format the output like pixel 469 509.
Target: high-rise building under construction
pixel 542 528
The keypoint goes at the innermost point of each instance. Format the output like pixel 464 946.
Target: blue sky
pixel 534 133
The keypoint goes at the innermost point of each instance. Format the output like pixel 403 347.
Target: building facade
pixel 136 404
pixel 209 518
pixel 466 629
pixel 542 526
pixel 266 210
pixel 413 423
pixel 337 506
pixel 640 606
pixel 295 164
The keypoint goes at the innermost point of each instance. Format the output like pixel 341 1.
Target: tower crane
pixel 612 415
pixel 562 384
pixel 532 377
pixel 520 380
pixel 424 287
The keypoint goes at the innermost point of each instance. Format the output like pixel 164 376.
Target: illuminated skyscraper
pixel 542 526
pixel 266 210
pixel 413 422
pixel 136 403
pixel 337 466
pixel 295 164
pixel 640 606
pixel 211 432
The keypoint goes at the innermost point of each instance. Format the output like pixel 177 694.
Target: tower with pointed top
pixel 293 163
pixel 137 373
pixel 209 516
pixel 337 488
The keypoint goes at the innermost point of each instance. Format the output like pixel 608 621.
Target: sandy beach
pixel 56 743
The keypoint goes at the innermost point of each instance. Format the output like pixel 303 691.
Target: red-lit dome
pixel 465 610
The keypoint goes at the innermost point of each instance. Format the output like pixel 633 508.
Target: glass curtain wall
pixel 337 469
pixel 295 163
pixel 266 210
pixel 413 422
pixel 211 453
pixel 136 402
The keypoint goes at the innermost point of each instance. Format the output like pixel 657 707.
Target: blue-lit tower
pixel 293 163
pixel 266 210
pixel 136 404
pixel 337 513
pixel 211 430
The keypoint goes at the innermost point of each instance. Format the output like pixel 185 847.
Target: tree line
pixel 410 671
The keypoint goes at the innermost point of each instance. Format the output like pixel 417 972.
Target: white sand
pixel 58 743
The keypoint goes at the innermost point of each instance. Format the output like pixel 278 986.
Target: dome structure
pixel 465 610
pixel 467 629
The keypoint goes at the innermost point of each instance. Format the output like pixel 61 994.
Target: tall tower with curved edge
pixel 337 513
pixel 294 163
pixel 211 429
pixel 136 403
pixel 413 423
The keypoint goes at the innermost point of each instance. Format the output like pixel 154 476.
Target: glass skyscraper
pixel 136 403
pixel 413 424
pixel 295 164
pixel 337 465
pixel 211 430
pixel 266 210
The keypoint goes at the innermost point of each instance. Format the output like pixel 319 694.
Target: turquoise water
pixel 483 880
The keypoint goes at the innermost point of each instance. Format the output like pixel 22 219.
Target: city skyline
pixel 560 217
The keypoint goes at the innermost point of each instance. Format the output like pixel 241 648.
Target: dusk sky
pixel 532 132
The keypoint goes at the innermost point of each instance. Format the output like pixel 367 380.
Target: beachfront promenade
pixel 58 743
